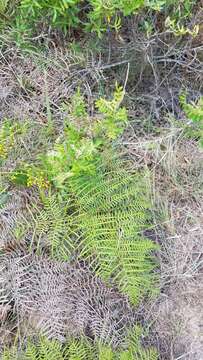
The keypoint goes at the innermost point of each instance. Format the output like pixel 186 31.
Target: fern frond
pixel 54 228
pixel 10 353
pixel 78 350
pixel 113 211
pixel 49 350
pixel 135 350
pixel 31 351
pixel 42 350
pixel 105 353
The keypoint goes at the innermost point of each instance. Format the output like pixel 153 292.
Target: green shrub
pixel 57 13
pixel 92 15
pixel 85 137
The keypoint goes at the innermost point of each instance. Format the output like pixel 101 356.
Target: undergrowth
pixel 78 226
pixel 81 350
pixel 93 208
pixel 100 209
pixel 97 16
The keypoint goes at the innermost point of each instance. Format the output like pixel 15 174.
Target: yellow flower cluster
pixel 3 151
pixel 38 180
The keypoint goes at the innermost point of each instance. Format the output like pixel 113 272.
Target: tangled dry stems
pixel 177 166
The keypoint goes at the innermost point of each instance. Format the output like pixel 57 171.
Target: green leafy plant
pixel 179 29
pixel 54 227
pixel 181 10
pixel 194 112
pixel 93 211
pixel 102 221
pixel 113 211
pixel 135 349
pixel 105 14
pixel 114 116
pixel 94 15
pixel 58 13
pixel 84 138
pixel 45 349
pixel 81 350
pixel 107 205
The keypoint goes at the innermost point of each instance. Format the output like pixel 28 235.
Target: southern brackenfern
pixel 97 211
pixel 43 350
pixel 101 221
pixel 54 227
pixel 113 209
pixel 82 349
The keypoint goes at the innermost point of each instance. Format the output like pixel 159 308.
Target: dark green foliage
pixel 57 13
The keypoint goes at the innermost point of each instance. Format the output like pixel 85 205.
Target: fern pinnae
pixel 113 210
pixel 31 351
pixel 54 227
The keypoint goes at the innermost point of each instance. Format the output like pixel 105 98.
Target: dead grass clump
pixel 178 315
pixel 177 167
pixel 36 86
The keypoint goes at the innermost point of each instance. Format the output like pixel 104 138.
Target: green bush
pixel 91 15
pixel 27 17
pixel 58 13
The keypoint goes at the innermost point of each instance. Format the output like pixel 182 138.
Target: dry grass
pixel 176 317
pixel 40 83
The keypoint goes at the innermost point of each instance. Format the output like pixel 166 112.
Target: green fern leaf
pixel 135 349
pixel 49 350
pixel 77 350
pixel 54 226
pixel 113 211
pixel 105 353
pixel 31 352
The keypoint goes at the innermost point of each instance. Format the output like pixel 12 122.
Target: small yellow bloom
pixel 108 19
pixel 3 151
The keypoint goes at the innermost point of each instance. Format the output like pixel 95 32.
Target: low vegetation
pixel 101 136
